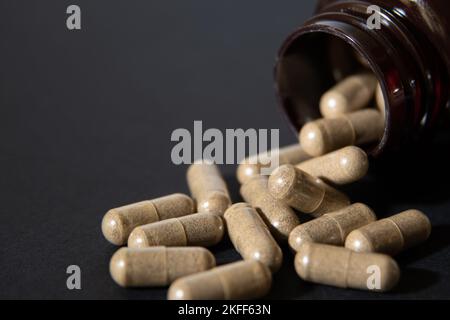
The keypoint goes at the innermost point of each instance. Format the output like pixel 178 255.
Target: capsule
pixel 157 266
pixel 325 135
pixel 391 235
pixel 280 218
pixel 253 165
pixel 339 167
pixel 249 279
pixel 251 237
pixel 118 223
pixel 332 228
pixel 208 188
pixel 340 267
pixel 200 229
pixel 304 192
pixel 379 100
pixel 350 94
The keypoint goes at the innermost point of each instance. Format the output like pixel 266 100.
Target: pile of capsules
pixel 342 246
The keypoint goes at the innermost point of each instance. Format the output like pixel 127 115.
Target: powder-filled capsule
pixel 253 165
pixel 391 235
pixel 280 218
pixel 118 223
pixel 251 237
pixel 325 135
pixel 339 167
pixel 208 188
pixel 340 267
pixel 332 228
pixel 200 229
pixel 305 192
pixel 348 95
pixel 249 279
pixel 158 266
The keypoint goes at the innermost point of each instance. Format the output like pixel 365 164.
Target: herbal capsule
pixel 379 99
pixel 249 279
pixel 208 188
pixel 340 267
pixel 391 235
pixel 339 167
pixel 350 94
pixel 200 229
pixel 325 135
pixel 157 266
pixel 304 192
pixel 251 237
pixel 118 223
pixel 332 228
pixel 252 166
pixel 279 216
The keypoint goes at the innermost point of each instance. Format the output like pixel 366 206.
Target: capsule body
pixel 339 167
pixel 350 94
pixel 304 192
pixel 340 267
pixel 208 188
pixel 325 135
pixel 118 223
pixel 253 165
pixel 157 266
pixel 391 235
pixel 200 229
pixel 249 279
pixel 280 218
pixel 251 237
pixel 332 228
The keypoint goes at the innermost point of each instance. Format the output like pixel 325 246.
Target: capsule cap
pixel 282 181
pixel 313 140
pixel 357 241
pixel 118 267
pixel 138 239
pixel 113 228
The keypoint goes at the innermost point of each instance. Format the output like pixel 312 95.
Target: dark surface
pixel 85 124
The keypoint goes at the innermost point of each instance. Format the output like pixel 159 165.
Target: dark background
pixel 85 124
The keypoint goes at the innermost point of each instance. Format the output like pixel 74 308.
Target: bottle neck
pixel 326 49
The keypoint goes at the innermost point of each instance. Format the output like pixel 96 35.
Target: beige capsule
pixel 200 229
pixel 251 237
pixel 249 279
pixel 340 267
pixel 253 165
pixel 348 95
pixel 118 223
pixel 332 228
pixel 208 188
pixel 280 218
pixel 391 235
pixel 157 266
pixel 325 135
pixel 305 192
pixel 339 167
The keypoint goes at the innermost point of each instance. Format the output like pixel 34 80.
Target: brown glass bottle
pixel 409 54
